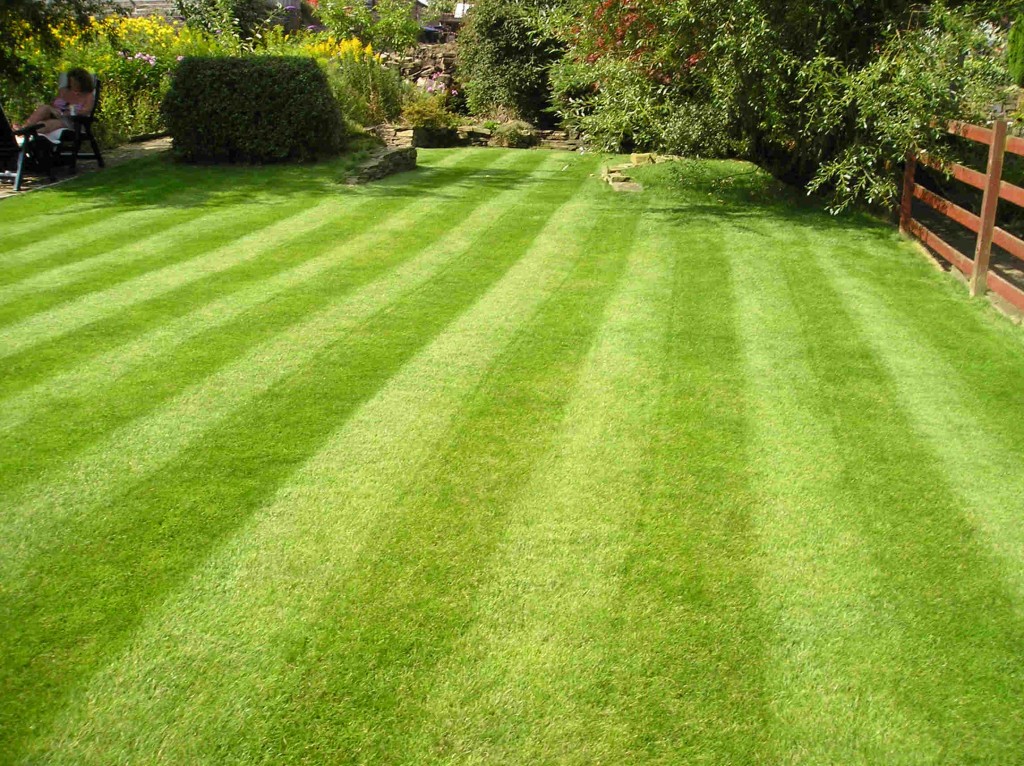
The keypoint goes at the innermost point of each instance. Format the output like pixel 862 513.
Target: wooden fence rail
pixel 993 187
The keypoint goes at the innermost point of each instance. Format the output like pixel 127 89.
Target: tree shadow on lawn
pixel 160 182
pixel 740 194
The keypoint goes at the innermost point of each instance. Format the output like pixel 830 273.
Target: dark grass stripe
pixel 67 236
pixel 80 248
pixel 77 313
pixel 983 348
pixel 528 681
pixel 370 658
pixel 979 347
pixel 889 542
pixel 149 442
pixel 153 183
pixel 56 436
pixel 144 541
pixel 185 239
pixel 48 358
pixel 230 622
pixel 959 662
pixel 963 629
pixel 686 648
pixel 977 444
pixel 826 631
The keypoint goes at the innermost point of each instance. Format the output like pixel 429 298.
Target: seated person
pixel 79 94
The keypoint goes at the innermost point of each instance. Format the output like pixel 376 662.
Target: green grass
pixel 489 464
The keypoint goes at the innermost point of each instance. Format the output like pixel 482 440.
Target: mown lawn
pixel 488 464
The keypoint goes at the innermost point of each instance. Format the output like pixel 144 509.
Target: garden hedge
pixel 254 109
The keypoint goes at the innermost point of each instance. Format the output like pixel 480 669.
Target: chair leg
pixel 20 172
pixel 94 145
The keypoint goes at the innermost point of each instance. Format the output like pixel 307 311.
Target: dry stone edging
pixel 385 163
pixel 468 135
pixel 618 177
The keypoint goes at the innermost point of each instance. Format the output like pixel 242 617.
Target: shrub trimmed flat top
pixel 490 464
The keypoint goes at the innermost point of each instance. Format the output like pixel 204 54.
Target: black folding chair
pixel 22 150
pixel 83 124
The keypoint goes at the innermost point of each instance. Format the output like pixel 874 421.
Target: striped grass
pixel 490 464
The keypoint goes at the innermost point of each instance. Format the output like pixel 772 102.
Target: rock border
pixel 620 180
pixel 384 163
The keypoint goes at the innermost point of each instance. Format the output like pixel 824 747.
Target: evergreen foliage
pixel 253 109
pixel 1015 52
pixel 505 54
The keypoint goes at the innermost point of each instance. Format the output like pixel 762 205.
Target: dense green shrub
pixel 504 57
pixel 429 111
pixel 254 109
pixel 514 135
pixel 616 107
pixel 1015 52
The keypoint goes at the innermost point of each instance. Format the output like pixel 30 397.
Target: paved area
pixel 112 157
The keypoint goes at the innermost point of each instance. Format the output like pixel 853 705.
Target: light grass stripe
pixel 241 612
pixel 95 373
pixel 819 587
pixel 981 467
pixel 148 443
pixel 534 653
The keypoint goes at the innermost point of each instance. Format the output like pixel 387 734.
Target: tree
pixel 827 94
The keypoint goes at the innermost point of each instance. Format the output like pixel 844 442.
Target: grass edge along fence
pixel 984 225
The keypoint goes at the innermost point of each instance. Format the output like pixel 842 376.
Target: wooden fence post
pixel 906 206
pixel 989 205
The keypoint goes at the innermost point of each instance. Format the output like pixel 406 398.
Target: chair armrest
pixel 29 129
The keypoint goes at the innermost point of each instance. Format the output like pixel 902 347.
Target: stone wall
pixel 385 163
pixel 427 64
pixel 148 7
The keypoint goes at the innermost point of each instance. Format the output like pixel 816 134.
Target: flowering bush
pixel 390 26
pixel 135 59
pixel 369 92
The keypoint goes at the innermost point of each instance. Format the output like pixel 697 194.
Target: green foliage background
pixel 505 53
pixel 1015 52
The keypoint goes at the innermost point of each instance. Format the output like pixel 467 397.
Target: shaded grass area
pixel 489 464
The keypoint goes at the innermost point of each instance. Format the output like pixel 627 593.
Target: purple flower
pixel 180 58
pixel 290 8
pixel 311 27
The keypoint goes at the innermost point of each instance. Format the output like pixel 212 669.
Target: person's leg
pixel 51 125
pixel 43 113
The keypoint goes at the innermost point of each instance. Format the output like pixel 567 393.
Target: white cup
pixel 74 110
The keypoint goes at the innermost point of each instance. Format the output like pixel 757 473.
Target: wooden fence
pixel 984 225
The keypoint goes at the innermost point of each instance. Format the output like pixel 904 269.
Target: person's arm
pixel 88 102
pixel 62 99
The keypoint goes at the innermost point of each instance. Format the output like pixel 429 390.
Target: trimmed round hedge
pixel 254 109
